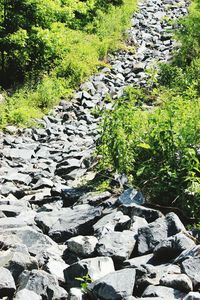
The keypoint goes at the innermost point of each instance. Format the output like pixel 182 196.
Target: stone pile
pixel 53 232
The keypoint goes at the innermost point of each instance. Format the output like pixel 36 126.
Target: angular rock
pixel 95 268
pixel 148 214
pixel 150 236
pixel 131 196
pixel 43 284
pixel 16 260
pixel 75 294
pixel 180 282
pixel 110 222
pixel 163 292
pixel 82 245
pixel 34 240
pixel 7 284
pixel 26 295
pixel 117 285
pixel 118 245
pixel 192 296
pixel 191 267
pixel 62 225
pixel 172 247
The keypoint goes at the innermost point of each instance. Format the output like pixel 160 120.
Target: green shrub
pixel 157 149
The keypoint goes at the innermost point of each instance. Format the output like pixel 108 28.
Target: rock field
pixel 56 236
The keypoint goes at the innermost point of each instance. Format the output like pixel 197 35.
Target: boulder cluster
pixel 59 240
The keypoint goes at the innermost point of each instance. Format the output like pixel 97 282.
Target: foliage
pixel 85 280
pixel 62 41
pixel 157 148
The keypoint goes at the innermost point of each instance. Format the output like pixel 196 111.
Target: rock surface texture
pixel 60 241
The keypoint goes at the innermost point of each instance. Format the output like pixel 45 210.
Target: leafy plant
pixel 85 280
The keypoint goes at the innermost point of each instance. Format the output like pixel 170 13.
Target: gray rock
pixel 173 246
pixel 42 183
pixel 82 245
pixel 191 267
pixel 16 260
pixel 114 286
pixel 150 236
pixel 62 225
pixel 75 294
pixel 35 241
pixel 7 284
pixel 193 252
pixel 148 214
pixel 136 262
pixel 26 295
pixel 163 292
pixel 111 222
pixel 118 245
pixel 180 282
pixel 192 296
pixel 131 196
pixel 174 224
pixel 95 268
pixel 42 284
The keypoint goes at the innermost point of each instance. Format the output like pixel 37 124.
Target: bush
pixel 157 149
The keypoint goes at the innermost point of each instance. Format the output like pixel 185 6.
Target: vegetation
pixel 48 47
pixel 159 148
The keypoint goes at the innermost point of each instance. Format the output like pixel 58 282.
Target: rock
pixel 82 245
pixel 50 260
pixel 172 247
pixel 42 183
pixel 192 296
pixel 62 225
pixel 148 214
pixel 75 294
pixel 26 295
pixel 16 260
pixel 150 236
pixel 112 221
pixel 7 284
pixel 35 241
pixel 131 196
pixel 174 224
pixel 42 284
pixel 177 281
pixel 163 292
pixel 117 285
pixel 23 154
pixel 193 252
pixel 95 268
pixel 135 262
pixel 118 245
pixel 191 267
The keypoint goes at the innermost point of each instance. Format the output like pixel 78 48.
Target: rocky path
pixel 52 232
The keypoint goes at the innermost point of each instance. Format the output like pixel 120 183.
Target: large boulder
pixel 150 236
pixel 95 268
pixel 118 245
pixel 42 283
pixel 68 222
pixel 191 267
pixel 7 283
pixel 163 292
pixel 114 286
pixel 82 245
pixel 17 259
